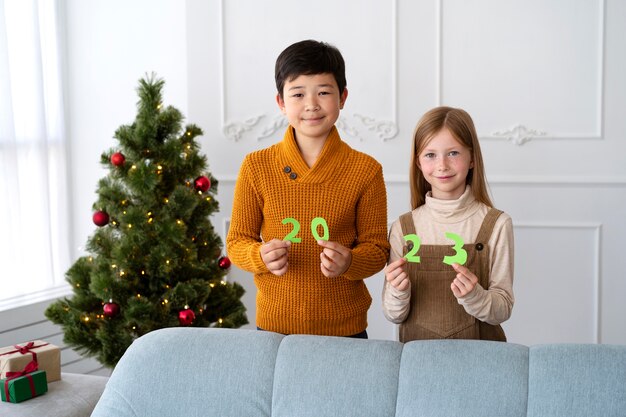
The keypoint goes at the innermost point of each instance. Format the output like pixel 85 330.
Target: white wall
pixel 543 80
pixel 110 46
pixel 550 72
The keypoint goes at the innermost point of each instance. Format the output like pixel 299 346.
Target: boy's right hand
pixel 396 275
pixel 275 255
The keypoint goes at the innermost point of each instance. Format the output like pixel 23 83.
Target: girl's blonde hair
pixel 461 126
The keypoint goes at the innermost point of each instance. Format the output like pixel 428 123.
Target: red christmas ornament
pixel 202 183
pixel 186 317
pixel 111 309
pixel 118 159
pixel 100 218
pixel 224 262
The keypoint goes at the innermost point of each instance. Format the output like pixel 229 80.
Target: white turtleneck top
pixel 463 217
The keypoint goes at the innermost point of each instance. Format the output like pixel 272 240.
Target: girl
pixel 450 271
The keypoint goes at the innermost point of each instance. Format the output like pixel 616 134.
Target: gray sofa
pixel 218 372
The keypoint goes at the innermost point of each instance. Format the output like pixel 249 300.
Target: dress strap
pixel 487 227
pixel 406 222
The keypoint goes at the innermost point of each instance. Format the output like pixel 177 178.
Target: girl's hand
pixel 275 256
pixel 396 276
pixel 336 258
pixel 464 282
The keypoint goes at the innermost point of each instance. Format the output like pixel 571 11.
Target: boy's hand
pixel 336 258
pixel 464 282
pixel 396 276
pixel 275 255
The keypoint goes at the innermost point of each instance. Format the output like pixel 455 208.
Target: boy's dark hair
pixel 309 57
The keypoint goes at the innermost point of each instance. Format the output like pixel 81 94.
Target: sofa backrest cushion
pixel 471 378
pixel 194 373
pixel 333 376
pixel 577 380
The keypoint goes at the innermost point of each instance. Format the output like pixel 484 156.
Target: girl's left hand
pixel 335 258
pixel 464 282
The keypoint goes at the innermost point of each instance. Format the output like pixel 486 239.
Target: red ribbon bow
pixel 24 349
pixel 31 366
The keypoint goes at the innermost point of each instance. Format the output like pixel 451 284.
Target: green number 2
pixel 460 256
pixel 294 232
pixel 412 255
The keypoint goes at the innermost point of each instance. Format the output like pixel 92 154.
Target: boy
pixel 310 213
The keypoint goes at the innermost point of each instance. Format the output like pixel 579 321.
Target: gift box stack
pixel 26 369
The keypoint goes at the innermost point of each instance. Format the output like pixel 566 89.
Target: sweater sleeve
pixel 370 253
pixel 244 241
pixel 396 303
pixel 493 305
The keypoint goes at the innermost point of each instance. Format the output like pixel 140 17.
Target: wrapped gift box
pixel 15 358
pixel 23 387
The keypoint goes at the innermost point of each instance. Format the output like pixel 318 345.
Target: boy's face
pixel 312 104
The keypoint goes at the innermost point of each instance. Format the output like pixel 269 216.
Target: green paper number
pixel 460 256
pixel 315 223
pixel 294 232
pixel 319 221
pixel 412 255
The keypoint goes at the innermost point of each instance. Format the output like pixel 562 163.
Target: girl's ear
pixel 471 164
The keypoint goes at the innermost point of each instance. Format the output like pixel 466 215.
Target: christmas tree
pixel 155 260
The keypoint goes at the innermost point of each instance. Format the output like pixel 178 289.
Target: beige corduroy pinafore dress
pixel 435 312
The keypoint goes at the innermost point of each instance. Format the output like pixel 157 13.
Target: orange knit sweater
pixel 344 187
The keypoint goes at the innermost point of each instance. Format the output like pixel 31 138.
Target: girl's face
pixel 445 163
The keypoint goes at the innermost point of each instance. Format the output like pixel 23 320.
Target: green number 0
pixel 412 255
pixel 319 221
pixel 294 232
pixel 460 256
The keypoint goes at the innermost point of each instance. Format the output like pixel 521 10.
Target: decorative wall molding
pixel 235 130
pixel 278 123
pixel 532 134
pixel 518 134
pixel 385 130
pixel 596 229
pixel 344 126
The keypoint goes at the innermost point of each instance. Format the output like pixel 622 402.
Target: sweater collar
pixel 452 211
pixel 329 160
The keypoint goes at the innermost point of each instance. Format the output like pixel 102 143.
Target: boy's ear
pixel 281 103
pixel 342 99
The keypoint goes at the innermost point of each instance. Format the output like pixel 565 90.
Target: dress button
pixel 479 246
pixel 287 169
pixel 293 175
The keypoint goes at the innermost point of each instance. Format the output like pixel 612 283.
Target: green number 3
pixel 460 256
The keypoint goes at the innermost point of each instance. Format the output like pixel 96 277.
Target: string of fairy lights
pixel 201 184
